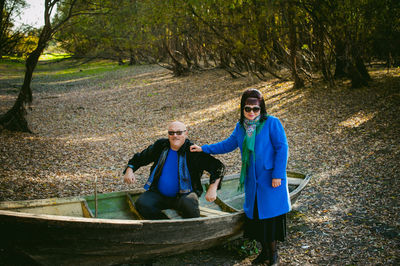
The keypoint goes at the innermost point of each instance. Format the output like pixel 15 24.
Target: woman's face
pixel 251 111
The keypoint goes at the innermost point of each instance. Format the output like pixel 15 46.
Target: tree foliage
pixel 10 37
pixel 333 38
pixel 296 39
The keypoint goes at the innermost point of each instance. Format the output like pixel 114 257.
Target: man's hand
pixel 195 148
pixel 129 177
pixel 211 195
pixel 276 182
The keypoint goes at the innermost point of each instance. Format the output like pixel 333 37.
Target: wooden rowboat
pixel 64 231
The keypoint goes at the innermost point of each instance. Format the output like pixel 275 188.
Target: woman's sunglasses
pixel 255 109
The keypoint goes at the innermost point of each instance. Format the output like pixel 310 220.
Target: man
pixel 174 181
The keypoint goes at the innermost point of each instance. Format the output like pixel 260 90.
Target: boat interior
pixel 120 205
pixel 114 205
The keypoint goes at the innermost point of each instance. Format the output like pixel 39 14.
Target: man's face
pixel 177 135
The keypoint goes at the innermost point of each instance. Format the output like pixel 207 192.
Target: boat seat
pixel 208 212
pixel 172 214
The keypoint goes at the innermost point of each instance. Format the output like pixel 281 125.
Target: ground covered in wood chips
pixel 88 122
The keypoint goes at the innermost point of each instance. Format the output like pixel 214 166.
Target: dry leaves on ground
pixel 348 139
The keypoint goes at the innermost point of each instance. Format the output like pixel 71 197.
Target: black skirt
pixel 266 230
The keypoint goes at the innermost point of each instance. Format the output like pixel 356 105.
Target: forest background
pixel 332 39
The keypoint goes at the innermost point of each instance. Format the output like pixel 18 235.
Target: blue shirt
pixel 168 185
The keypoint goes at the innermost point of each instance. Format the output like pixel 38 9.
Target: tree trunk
pixel 15 118
pixel 350 64
pixel 322 62
pixel 298 82
pixel 186 55
pixel 341 62
pixel 132 58
pixel 205 59
pixel 361 68
pixel 120 61
pixel 358 73
pixel 357 80
pixel 177 68
pixel 2 31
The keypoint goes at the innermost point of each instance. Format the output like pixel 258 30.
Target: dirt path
pixel 347 139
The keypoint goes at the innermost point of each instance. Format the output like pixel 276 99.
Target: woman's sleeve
pixel 281 149
pixel 224 146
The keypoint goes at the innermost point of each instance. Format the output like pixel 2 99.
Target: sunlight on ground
pixel 73 139
pixel 278 107
pixel 357 119
pixel 158 79
pixel 211 113
pixel 278 97
pixel 7 97
pixel 60 82
pixel 395 72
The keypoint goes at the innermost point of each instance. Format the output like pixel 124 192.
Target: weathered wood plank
pixel 207 211
pixel 294 181
pixel 86 210
pixel 132 207
pixel 224 206
pixel 172 214
pixel 8 205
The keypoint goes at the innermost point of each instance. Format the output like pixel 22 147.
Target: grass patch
pixel 92 70
pixel 243 247
pixel 53 56
pixel 43 57
pixel 56 72
pixel 72 69
pixel 12 60
pixel 11 68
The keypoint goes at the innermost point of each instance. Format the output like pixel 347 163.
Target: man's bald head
pixel 176 125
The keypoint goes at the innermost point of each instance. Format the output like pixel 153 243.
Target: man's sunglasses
pixel 171 133
pixel 255 109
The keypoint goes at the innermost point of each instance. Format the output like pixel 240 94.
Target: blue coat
pixel 271 155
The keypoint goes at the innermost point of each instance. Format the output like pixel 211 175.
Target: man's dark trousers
pixel 151 203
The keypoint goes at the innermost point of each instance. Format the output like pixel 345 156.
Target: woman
pixel 262 141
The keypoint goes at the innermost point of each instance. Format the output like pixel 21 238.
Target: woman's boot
pixel 263 256
pixel 273 254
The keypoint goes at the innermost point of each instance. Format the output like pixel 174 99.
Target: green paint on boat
pixel 112 205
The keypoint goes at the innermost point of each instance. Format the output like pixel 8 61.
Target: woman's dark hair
pixel 253 93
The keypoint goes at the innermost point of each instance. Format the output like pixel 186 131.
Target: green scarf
pixel 252 128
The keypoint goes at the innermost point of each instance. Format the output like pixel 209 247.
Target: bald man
pixel 174 181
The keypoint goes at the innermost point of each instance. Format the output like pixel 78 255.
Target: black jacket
pixel 197 162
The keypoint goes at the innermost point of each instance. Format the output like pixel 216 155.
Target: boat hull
pixel 70 240
pixel 84 242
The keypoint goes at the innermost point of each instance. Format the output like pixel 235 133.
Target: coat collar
pixel 185 147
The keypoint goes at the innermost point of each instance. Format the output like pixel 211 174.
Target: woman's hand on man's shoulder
pixel 195 148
